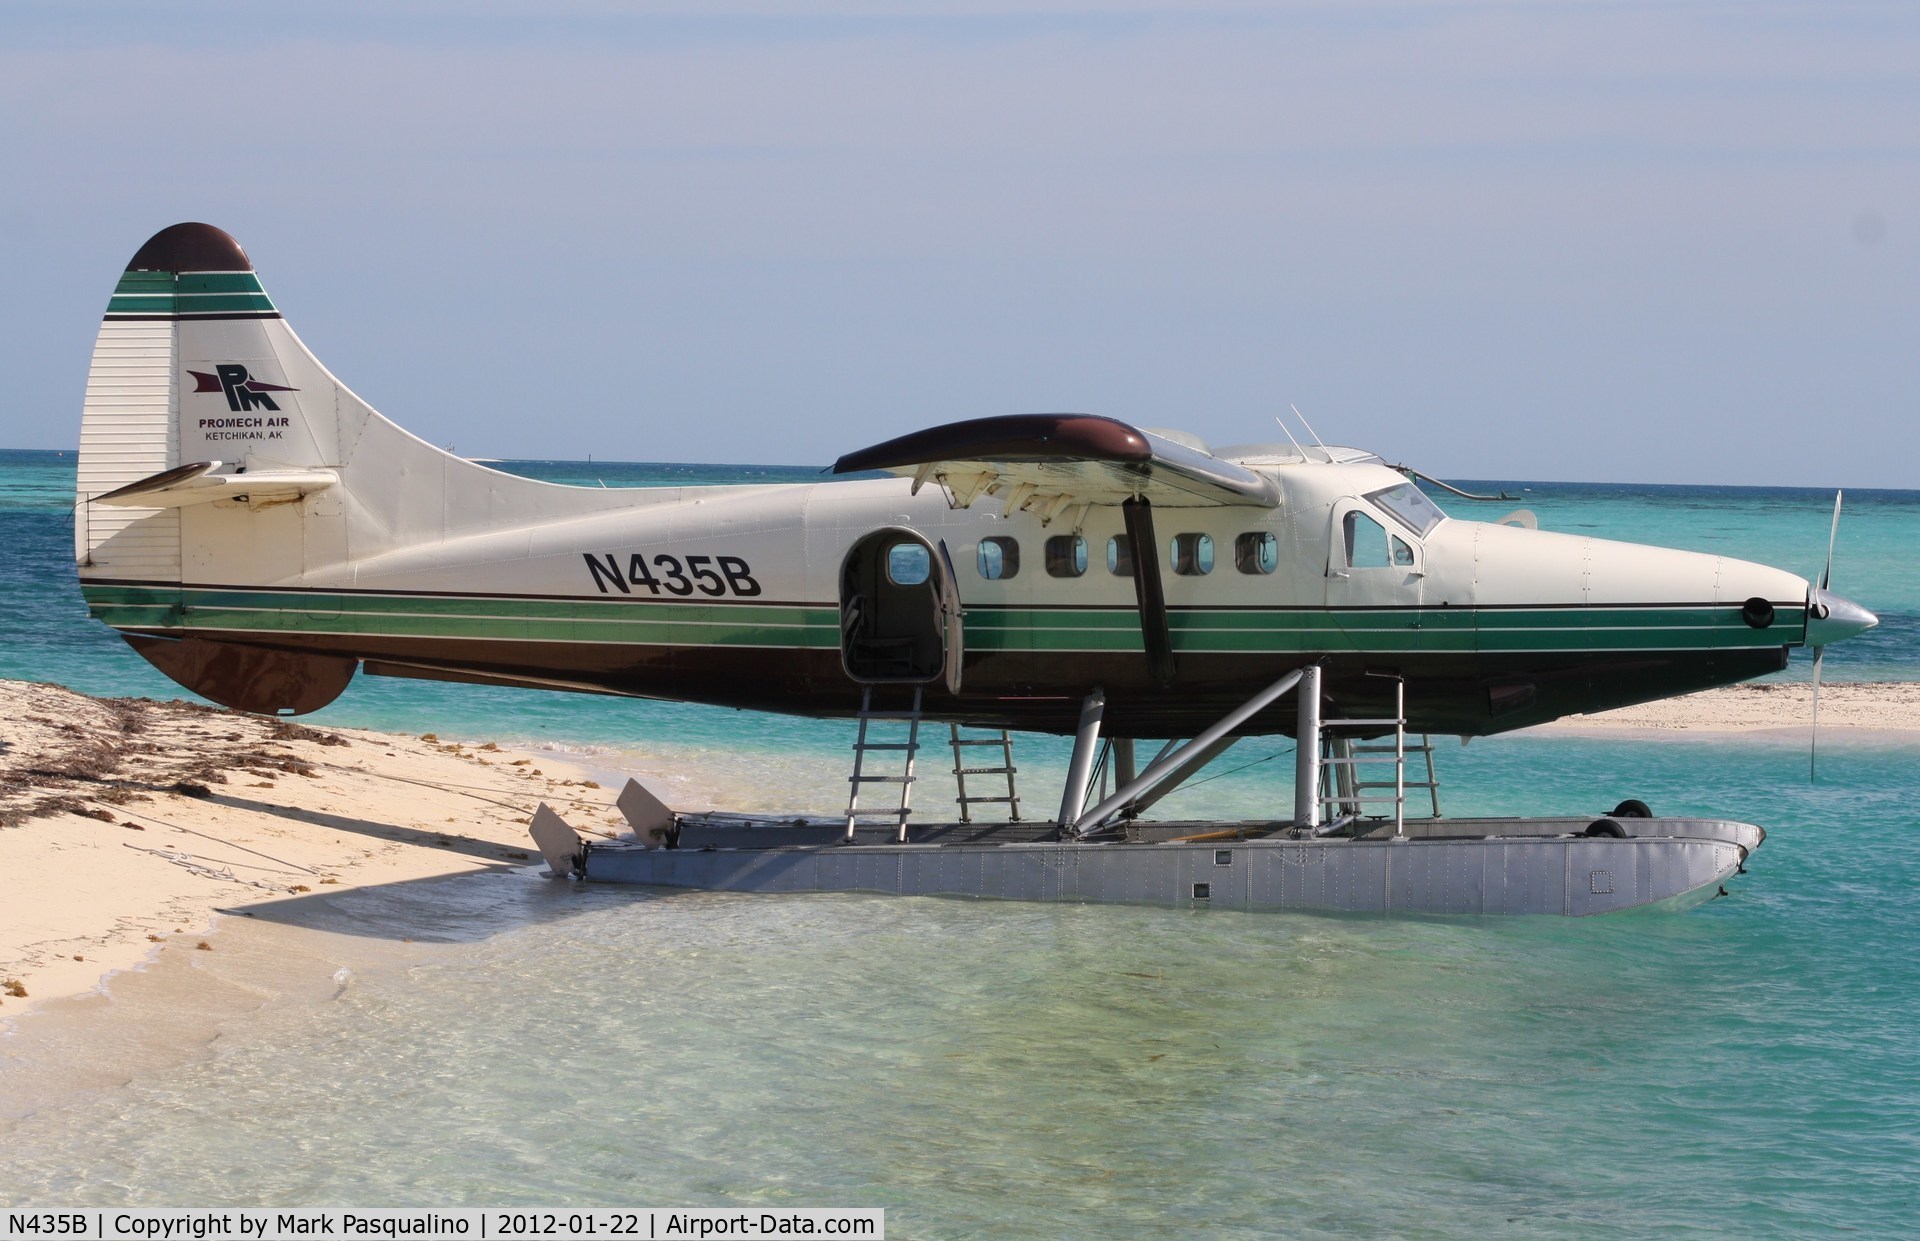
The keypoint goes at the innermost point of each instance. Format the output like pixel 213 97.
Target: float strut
pixel 1170 765
pixel 1124 767
pixel 1306 759
pixel 1085 742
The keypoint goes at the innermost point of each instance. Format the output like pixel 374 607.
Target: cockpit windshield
pixel 1410 506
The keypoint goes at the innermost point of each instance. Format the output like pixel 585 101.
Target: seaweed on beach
pixel 80 752
pixel 281 730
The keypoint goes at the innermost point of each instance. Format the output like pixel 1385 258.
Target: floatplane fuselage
pixel 260 533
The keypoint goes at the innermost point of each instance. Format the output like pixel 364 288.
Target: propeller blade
pixel 1826 574
pixel 1813 734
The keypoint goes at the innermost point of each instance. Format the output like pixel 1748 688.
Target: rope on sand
pixel 187 860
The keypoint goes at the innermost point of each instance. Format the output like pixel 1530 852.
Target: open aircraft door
pixel 952 620
pixel 900 616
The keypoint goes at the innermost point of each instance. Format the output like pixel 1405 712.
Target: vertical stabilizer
pixel 130 425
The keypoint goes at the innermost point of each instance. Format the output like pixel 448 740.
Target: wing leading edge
pixel 1053 463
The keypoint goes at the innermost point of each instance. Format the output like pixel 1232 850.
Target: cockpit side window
pixel 1410 507
pixel 1366 542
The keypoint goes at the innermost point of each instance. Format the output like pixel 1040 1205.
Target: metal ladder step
pixel 1005 768
pixel 1350 757
pixel 862 747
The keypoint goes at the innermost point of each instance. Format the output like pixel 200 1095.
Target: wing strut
pixel 1145 549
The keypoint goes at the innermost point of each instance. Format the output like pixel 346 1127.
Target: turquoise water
pixel 1749 1068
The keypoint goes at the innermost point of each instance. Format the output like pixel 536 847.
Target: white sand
pixel 1846 709
pixel 107 856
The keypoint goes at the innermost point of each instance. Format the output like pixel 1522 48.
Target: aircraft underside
pixel 1465 693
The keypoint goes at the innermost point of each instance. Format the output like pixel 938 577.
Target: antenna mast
pixel 1310 431
pixel 1295 442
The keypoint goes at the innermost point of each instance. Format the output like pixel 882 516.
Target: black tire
pixel 1605 827
pixel 1632 808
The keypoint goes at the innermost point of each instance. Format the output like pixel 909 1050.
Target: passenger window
pixel 999 558
pixel 1402 554
pixel 1366 542
pixel 1066 555
pixel 1119 556
pixel 1192 554
pixel 908 564
pixel 1256 552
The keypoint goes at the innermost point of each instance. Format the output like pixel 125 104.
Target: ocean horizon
pixel 999 1069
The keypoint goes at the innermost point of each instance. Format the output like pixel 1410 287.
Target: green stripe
pixel 628 621
pixel 223 303
pixel 548 620
pixel 145 282
pixel 218 282
pixel 163 293
pixel 1384 629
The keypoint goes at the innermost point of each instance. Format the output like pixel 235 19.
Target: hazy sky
pixel 1670 242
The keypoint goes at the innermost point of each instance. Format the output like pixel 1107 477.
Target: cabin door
pixel 900 618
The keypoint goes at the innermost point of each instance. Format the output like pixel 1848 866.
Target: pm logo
pixel 243 392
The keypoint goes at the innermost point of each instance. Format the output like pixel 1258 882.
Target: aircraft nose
pixel 1831 618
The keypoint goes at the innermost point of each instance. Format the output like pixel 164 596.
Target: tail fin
pixel 197 389
pixel 196 382
pixel 216 452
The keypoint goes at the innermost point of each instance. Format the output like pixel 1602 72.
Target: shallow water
pixel 1023 1070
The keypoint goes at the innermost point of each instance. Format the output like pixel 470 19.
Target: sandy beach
pixel 1846 710
pixel 127 825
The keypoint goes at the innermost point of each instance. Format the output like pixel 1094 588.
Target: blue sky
pixel 1667 242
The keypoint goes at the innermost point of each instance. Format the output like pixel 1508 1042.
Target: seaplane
pixel 261 535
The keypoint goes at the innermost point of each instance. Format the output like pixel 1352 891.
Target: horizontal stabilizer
pixel 203 481
pixel 1051 463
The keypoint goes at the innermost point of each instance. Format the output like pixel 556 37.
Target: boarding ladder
pixel 962 769
pixel 862 746
pixel 1348 761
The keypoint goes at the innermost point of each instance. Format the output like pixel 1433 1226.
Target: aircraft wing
pixel 1050 463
